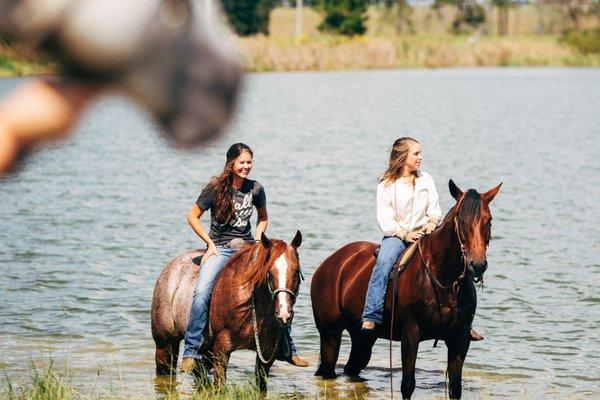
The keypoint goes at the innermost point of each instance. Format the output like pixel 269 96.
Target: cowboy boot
pixel 297 361
pixel 188 365
pixel 475 337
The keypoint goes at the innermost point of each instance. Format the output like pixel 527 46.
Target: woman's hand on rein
pixel 429 227
pixel 413 236
pixel 211 250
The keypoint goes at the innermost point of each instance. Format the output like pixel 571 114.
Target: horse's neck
pixel 265 309
pixel 441 252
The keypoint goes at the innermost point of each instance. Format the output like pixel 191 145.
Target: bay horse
pixel 434 295
pixel 252 300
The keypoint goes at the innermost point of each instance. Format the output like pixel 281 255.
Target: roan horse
pixel 434 295
pixel 252 299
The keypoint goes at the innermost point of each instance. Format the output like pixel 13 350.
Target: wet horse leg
pixel 330 349
pixel 457 351
pixel 221 352
pixel 262 372
pixel 360 353
pixel 410 347
pixel 165 357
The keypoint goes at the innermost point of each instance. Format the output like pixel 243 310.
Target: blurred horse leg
pixel 410 347
pixel 166 356
pixel 360 352
pixel 221 353
pixel 330 349
pixel 457 351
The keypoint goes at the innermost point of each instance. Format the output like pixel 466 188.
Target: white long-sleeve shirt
pixel 413 208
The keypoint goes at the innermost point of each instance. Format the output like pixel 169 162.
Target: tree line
pixel 348 17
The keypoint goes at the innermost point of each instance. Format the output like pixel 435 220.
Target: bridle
pixel 273 293
pixel 284 290
pixel 463 252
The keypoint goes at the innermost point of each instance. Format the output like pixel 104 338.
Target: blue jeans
pixel 390 250
pixel 194 335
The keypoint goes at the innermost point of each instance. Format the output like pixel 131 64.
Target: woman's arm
pixel 261 222
pixel 40 111
pixel 434 212
pixel 193 219
pixel 385 214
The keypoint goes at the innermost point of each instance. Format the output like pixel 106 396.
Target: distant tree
pixel 345 17
pixel 468 13
pixel 248 17
pixel 503 7
pixel 403 13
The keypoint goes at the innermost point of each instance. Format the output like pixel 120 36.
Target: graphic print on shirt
pixel 243 211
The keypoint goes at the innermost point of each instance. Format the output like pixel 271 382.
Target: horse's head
pixel 283 276
pixel 473 226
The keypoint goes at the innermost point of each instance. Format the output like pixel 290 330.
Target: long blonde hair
pixel 398 156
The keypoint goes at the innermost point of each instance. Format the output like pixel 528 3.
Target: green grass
pixel 50 382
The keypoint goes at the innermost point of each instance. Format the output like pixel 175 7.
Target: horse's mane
pixel 469 207
pixel 252 270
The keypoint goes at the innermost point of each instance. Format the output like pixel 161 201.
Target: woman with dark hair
pixel 408 207
pixel 230 197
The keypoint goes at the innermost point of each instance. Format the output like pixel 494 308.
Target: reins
pixel 256 338
pixel 455 286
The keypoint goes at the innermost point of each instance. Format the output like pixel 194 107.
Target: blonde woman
pixel 408 207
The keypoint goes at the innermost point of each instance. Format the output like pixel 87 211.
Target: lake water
pixel 87 226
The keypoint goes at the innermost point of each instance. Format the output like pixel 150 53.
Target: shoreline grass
pixel 50 382
pixel 327 53
pixel 324 53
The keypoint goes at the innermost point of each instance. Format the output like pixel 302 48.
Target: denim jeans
pixel 390 250
pixel 194 335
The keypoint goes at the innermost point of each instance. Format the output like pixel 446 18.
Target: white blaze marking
pixel 282 267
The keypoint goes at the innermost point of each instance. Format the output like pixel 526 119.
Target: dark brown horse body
pixel 266 273
pixel 434 297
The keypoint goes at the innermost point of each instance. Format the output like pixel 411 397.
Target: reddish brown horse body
pixel 434 296
pixel 266 274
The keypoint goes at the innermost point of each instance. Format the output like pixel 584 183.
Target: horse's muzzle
pixel 477 270
pixel 285 320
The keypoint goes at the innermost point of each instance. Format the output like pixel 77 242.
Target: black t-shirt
pixel 250 194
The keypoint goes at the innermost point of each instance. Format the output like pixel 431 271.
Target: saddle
pixel 403 259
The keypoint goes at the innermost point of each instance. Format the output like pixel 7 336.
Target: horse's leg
pixel 330 349
pixel 457 351
pixel 221 352
pixel 360 353
pixel 410 347
pixel 165 357
pixel 262 372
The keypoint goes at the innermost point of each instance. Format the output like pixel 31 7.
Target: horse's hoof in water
pixel 295 360
pixel 325 374
pixel 188 365
pixel 356 378
pixel 475 337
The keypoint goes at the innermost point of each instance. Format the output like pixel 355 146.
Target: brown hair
pixel 398 156
pixel 223 210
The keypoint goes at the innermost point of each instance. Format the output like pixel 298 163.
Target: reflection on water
pixel 87 227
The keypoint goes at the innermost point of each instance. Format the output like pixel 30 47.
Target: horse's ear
pixel 454 190
pixel 490 194
pixel 297 240
pixel 265 240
